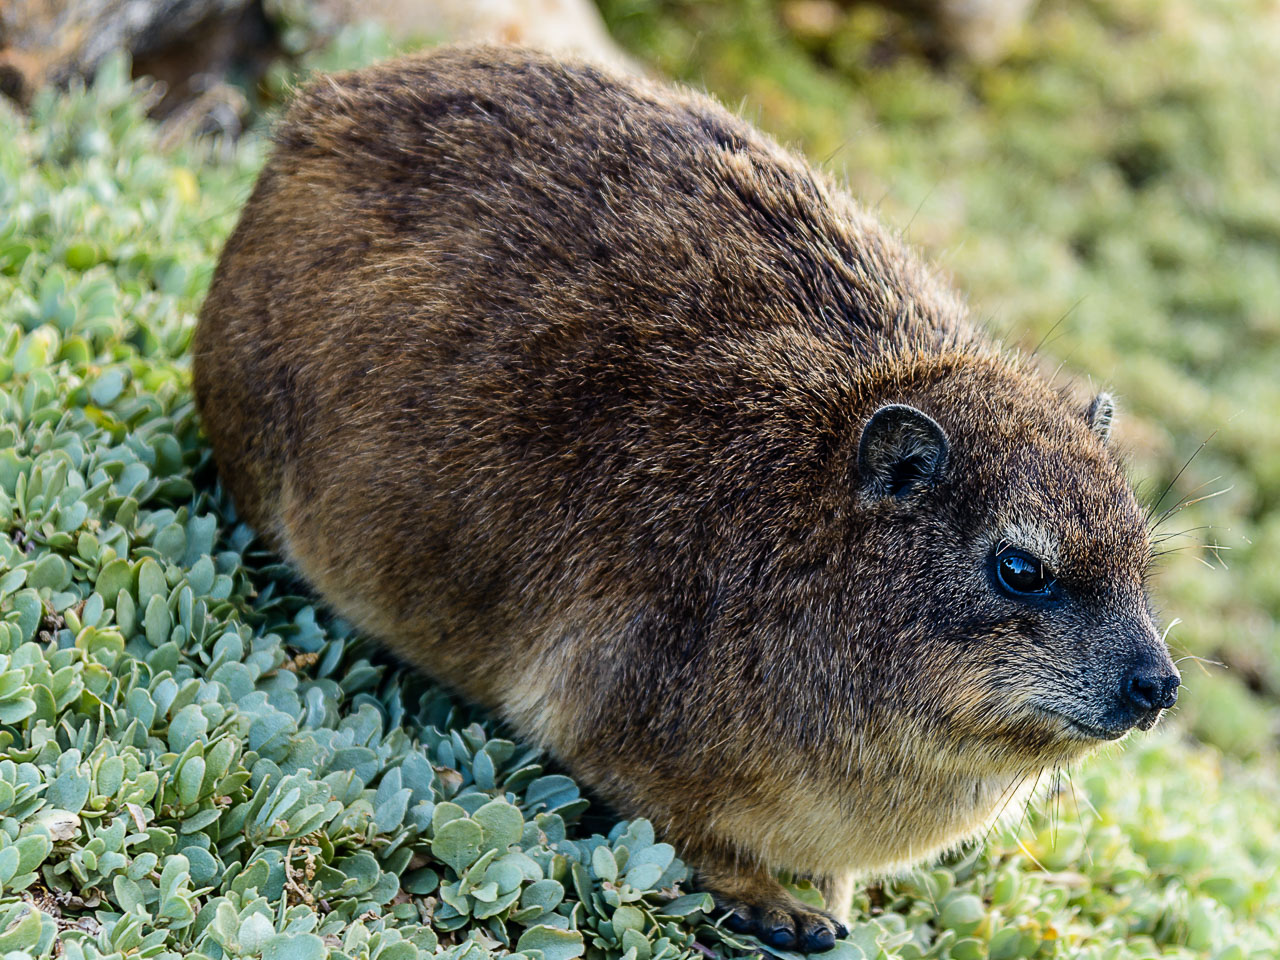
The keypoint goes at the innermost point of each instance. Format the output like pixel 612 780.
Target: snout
pixel 1128 688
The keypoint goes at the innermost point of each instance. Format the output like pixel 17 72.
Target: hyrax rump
pixel 588 399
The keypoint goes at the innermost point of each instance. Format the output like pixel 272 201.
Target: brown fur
pixel 555 382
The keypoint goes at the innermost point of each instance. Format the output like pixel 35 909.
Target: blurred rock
pixel 567 27
pixel 812 19
pixel 53 41
pixel 194 46
pixel 979 30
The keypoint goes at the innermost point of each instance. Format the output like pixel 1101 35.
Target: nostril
pixel 1170 693
pixel 1149 691
pixel 1144 691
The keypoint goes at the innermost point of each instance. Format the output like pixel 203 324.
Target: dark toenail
pixel 841 931
pixel 780 937
pixel 738 923
pixel 823 938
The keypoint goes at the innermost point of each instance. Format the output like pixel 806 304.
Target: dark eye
pixel 1022 575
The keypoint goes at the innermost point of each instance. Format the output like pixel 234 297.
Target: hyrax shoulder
pixel 606 411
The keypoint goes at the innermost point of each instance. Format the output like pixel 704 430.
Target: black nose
pixel 1150 690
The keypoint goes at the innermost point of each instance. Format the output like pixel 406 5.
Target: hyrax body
pixel 604 410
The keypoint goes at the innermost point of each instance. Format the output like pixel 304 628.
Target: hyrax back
pixel 590 400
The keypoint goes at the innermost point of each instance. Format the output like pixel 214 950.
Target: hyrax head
pixel 1016 555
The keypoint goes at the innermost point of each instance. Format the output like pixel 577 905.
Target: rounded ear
pixel 902 449
pixel 1100 414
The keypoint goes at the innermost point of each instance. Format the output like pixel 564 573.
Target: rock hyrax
pixel 597 405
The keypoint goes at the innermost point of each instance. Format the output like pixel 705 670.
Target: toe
pixel 739 920
pixel 778 929
pixel 817 932
pixel 818 937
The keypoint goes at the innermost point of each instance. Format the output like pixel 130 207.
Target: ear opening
pixel 902 450
pixel 1100 414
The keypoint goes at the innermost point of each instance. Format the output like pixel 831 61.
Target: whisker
pixel 1006 795
pixel 831 156
pixel 1056 820
pixel 1200 660
pixel 1182 533
pixel 1056 324
pixel 1178 476
pixel 1026 808
pixel 1030 856
pixel 1157 554
pixel 1084 834
pixel 929 193
pixel 1197 488
pixel 1183 504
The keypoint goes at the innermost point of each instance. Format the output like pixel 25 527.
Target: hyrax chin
pixel 590 400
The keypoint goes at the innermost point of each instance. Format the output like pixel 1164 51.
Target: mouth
pixel 1085 729
pixel 1149 721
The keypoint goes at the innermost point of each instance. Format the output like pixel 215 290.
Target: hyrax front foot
pixel 757 904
